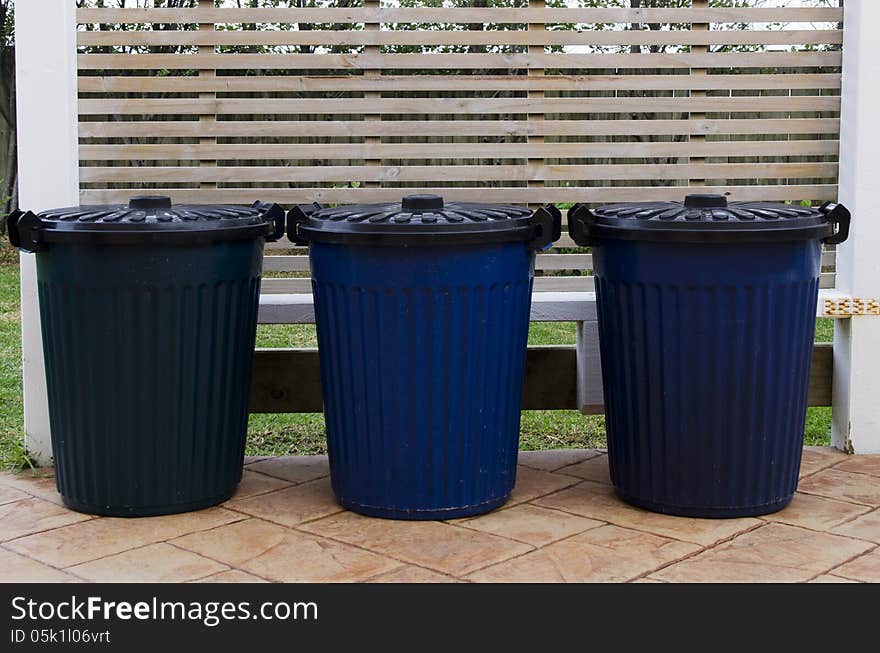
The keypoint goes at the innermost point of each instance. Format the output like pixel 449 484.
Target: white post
pixel 48 170
pixel 856 385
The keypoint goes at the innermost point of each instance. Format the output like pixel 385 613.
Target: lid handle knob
pixel 548 220
pixel 23 229
pixel 839 217
pixel 142 202
pixel 273 214
pixel 705 201
pixel 298 215
pixel 579 220
pixel 421 203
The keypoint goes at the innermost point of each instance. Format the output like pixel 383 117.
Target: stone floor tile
pixel 156 563
pixel 862 464
pixel 236 543
pixel 866 527
pixel 412 574
pixel 231 576
pixel 530 524
pixel 865 568
pixel 443 547
pixel 829 578
pixel 594 469
pixel 248 460
pixel 551 460
pixel 9 494
pixel 272 551
pixel 773 553
pixel 38 482
pixel 21 518
pixel 604 554
pixel 815 512
pixel 598 501
pixel 98 538
pixel 534 483
pixel 291 505
pixel 254 483
pixel 16 568
pixel 646 581
pixel 837 484
pixel 815 459
pixel 296 469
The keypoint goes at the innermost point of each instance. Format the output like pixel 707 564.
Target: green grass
pixel 12 453
pixel 290 434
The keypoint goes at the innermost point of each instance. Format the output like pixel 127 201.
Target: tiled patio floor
pixel 562 524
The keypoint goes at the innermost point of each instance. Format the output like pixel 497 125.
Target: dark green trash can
pixel 149 318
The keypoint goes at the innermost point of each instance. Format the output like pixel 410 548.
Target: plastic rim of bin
pixel 708 218
pixel 424 220
pixel 145 219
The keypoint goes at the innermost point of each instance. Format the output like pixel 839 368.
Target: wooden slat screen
pixel 518 102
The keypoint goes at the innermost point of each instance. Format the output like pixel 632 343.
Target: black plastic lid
pixel 423 220
pixel 708 218
pixel 147 219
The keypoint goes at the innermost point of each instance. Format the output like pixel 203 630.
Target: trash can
pixel 706 324
pixel 422 312
pixel 148 316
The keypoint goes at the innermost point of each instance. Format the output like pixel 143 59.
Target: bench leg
pixel 589 369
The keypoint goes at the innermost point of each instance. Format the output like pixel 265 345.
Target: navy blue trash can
pixel 149 315
pixel 706 324
pixel 422 313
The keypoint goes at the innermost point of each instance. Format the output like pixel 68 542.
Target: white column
pixel 48 170
pixel 856 386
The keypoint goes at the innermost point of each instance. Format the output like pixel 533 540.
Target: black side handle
pixel 274 214
pixel 548 219
pixel 23 228
pixel 295 217
pixel 579 220
pixel 839 216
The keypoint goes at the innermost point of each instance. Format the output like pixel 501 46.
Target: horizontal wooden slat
pixel 497 194
pixel 569 105
pixel 445 61
pixel 436 174
pixel 542 262
pixel 283 245
pixel 542 284
pixel 457 37
pixel 828 255
pixel 446 15
pixel 286 381
pixel 454 150
pixel 356 128
pixel 546 307
pixel 287 263
pixel 459 82
pixel 289 380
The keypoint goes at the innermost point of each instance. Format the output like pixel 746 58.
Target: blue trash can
pixel 706 323
pixel 422 312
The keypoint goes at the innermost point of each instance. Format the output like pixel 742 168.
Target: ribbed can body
pixel 148 355
pixel 706 352
pixel 422 362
